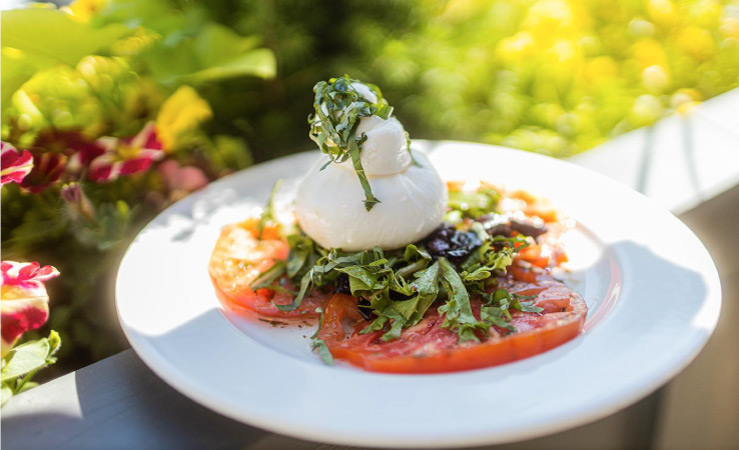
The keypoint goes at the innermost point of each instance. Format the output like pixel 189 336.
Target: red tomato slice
pixel 238 259
pixel 429 348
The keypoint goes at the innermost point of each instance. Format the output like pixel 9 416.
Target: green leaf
pixel 495 316
pixel 474 204
pixel 406 308
pixel 267 278
pixel 413 253
pixel 43 37
pixel 323 351
pixel 216 44
pixel 55 342
pixel 7 392
pixel 360 278
pixel 26 386
pixel 269 212
pixel 376 325
pixel 305 284
pixel 369 198
pixel 526 306
pixel 396 326
pixel 427 286
pixel 457 309
pixel 212 53
pixel 301 250
pixel 320 344
pixel 25 358
pixel 259 62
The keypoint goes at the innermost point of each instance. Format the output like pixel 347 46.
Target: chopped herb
pixel 301 250
pixel 457 310
pixel 319 344
pixel 338 108
pixel 474 204
pixel 267 278
pixel 268 216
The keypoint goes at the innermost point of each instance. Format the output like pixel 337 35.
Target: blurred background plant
pixel 127 105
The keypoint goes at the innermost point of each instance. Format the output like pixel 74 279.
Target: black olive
pixel 446 241
pixel 342 285
pixel 529 227
pixel 496 225
pixel 364 309
pixel 499 225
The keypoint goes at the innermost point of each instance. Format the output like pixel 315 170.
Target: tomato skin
pixel 238 258
pixel 562 320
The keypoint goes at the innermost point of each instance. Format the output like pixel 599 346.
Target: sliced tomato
pixel 430 348
pixel 532 254
pixel 238 259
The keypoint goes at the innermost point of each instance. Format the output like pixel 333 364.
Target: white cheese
pixel 329 203
pixel 385 152
pixel 330 208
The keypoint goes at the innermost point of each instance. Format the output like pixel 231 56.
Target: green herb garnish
pixel 268 215
pixel 319 344
pixel 474 204
pixel 401 285
pixel 338 108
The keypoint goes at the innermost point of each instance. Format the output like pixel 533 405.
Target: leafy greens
pixel 398 287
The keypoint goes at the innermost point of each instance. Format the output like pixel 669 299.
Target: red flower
pixel 14 166
pixel 47 169
pixel 126 156
pixel 25 302
pixel 79 150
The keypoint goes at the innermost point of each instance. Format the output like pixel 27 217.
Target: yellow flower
pixel 83 10
pixel 141 39
pixel 181 112
pixel 600 68
pixel 550 19
pixel 649 52
pixel 564 53
pixel 696 42
pixel 662 12
pixel 706 13
pixel 516 48
pixel 655 78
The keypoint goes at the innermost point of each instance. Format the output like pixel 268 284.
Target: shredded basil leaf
pixel 338 108
pixel 320 344
pixel 269 212
pixel 474 204
pixel 457 309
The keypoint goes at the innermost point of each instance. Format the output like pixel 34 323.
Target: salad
pixel 402 272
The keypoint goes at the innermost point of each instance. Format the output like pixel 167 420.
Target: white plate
pixel 652 290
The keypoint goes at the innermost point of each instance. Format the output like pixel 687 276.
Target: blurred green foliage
pixel 228 82
pixel 551 76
